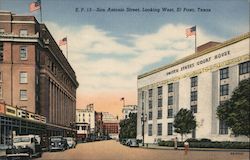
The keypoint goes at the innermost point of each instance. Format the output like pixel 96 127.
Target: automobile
pixel 58 143
pixel 123 141
pixel 29 144
pixel 71 142
pixel 132 142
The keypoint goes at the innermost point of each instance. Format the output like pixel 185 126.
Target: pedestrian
pixel 186 145
pixel 175 143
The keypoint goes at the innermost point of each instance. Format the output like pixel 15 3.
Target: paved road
pixel 112 150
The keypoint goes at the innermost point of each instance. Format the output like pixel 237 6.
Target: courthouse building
pixel 34 73
pixel 199 82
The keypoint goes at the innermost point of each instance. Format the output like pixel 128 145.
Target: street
pixel 112 150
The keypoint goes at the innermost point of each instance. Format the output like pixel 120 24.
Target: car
pixel 58 143
pixel 132 142
pixel 71 142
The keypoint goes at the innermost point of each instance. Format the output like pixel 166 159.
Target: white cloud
pixel 113 73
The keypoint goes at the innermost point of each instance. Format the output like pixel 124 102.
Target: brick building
pixel 110 125
pixel 34 73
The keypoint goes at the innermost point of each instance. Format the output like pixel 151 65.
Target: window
pixel 1 31
pixel 194 81
pixel 1 76
pixel 23 77
pixel 142 95
pixel 170 113
pixel 150 115
pixel 223 129
pixel 224 89
pixel 150 130
pixel 159 90
pixel 194 96
pixel 170 128
pixel 170 100
pixel 170 87
pixel 244 67
pixel 23 53
pixel 23 32
pixel 224 73
pixel 159 129
pixel 159 115
pixel 1 92
pixel 23 95
pixel 150 104
pixel 78 127
pixel 194 108
pixel 1 51
pixel 160 102
pixel 150 93
pixel 142 104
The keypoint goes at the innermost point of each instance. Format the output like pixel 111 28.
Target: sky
pixel 109 49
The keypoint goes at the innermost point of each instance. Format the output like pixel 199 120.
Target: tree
pixel 235 112
pixel 128 127
pixel 184 122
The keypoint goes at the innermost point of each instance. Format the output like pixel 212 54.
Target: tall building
pixel 127 109
pixel 110 125
pixel 85 121
pixel 98 124
pixel 199 82
pixel 34 73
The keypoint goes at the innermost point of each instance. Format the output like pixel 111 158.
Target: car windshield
pixel 56 139
pixel 21 139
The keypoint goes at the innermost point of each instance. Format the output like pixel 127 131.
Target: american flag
pixel 191 31
pixel 63 41
pixel 122 99
pixel 35 5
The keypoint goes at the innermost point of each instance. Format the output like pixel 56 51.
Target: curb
pixel 199 149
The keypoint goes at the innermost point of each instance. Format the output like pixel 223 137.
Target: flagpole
pixel 195 43
pixel 67 47
pixel 41 17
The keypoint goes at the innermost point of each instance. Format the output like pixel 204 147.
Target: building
pixel 98 124
pixel 34 74
pixel 85 121
pixel 127 109
pixel 199 82
pixel 110 125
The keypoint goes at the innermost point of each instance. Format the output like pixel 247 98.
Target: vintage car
pixel 57 143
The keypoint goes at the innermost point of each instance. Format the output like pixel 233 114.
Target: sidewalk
pixel 155 146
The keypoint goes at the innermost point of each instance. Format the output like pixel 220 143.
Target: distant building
pixel 126 110
pixel 98 124
pixel 110 125
pixel 85 121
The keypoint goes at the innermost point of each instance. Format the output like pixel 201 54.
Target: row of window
pixel 159 129
pixel 159 114
pixel 224 74
pixel 22 94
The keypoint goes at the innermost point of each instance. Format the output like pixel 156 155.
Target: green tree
pixel 184 122
pixel 235 112
pixel 128 127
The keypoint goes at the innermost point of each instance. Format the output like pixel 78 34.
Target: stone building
pixel 199 82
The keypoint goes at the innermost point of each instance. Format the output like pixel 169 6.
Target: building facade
pixel 199 82
pixel 127 109
pixel 85 121
pixel 34 73
pixel 98 124
pixel 110 125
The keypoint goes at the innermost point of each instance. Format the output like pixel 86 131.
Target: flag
pixel 191 31
pixel 63 41
pixel 122 99
pixel 35 6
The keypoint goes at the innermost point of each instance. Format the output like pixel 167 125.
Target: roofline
pixel 195 55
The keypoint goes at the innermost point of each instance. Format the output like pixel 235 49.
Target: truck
pixel 30 144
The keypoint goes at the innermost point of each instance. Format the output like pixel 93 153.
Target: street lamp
pixel 143 119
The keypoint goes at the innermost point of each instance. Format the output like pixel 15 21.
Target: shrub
pixel 192 140
pixel 205 140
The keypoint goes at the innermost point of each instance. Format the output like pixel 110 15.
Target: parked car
pixel 132 142
pixel 58 143
pixel 71 142
pixel 29 144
